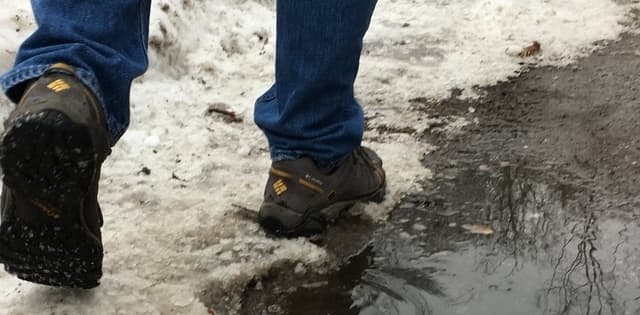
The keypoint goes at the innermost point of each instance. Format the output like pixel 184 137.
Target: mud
pixel 533 208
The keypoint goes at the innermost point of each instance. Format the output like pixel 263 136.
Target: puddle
pixel 293 289
pixel 553 249
pixel 329 294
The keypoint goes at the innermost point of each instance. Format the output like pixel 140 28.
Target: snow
pixel 173 233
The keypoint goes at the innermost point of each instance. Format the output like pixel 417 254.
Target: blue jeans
pixel 309 111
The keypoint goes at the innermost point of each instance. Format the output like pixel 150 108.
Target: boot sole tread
pixel 50 160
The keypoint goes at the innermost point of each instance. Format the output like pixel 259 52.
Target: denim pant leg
pixel 311 110
pixel 105 40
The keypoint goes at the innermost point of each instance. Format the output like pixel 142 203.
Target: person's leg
pixel 311 110
pixel 71 81
pixel 311 118
pixel 105 41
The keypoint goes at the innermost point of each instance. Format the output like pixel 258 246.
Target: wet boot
pixel 50 153
pixel 301 199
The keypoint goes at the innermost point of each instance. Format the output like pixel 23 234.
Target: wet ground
pixel 533 209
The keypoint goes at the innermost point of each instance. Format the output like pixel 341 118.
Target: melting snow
pixel 174 231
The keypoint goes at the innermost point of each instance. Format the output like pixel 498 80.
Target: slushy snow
pixel 173 233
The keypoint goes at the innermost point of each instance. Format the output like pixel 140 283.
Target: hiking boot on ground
pixel 50 153
pixel 300 199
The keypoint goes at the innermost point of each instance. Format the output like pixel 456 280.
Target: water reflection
pixel 557 248
pixel 583 283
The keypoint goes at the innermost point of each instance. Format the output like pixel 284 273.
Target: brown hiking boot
pixel 51 152
pixel 300 199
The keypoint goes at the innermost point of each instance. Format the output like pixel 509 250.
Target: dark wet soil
pixel 533 209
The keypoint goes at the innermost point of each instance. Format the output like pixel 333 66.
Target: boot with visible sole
pixel 301 200
pixel 51 152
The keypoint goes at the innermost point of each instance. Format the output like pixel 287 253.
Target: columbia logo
pixel 58 86
pixel 48 210
pixel 279 187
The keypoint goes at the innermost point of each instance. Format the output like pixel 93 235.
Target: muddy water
pixel 534 209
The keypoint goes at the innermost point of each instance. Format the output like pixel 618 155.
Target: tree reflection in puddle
pixel 557 248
